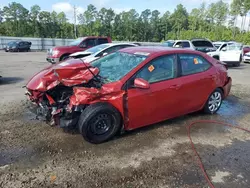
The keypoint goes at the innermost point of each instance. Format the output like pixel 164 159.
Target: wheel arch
pixel 216 57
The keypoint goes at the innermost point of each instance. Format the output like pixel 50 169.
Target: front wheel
pixel 214 102
pixel 99 122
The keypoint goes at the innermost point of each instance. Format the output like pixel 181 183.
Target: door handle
pixel 175 86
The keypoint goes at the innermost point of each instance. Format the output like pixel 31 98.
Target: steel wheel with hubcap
pixel 214 102
pixel 101 124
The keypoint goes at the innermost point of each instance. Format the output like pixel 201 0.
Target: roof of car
pixel 120 43
pixel 149 50
pixel 182 41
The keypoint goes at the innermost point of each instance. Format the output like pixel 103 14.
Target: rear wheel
pixel 99 123
pixel 214 102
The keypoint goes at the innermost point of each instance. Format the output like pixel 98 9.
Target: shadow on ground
pixel 10 80
pixel 242 66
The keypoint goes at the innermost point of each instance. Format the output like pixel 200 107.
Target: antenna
pixel 75 21
pixel 89 69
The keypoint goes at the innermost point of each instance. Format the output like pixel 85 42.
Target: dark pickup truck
pixel 60 53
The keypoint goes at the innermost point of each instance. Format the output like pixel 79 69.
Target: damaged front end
pixel 51 89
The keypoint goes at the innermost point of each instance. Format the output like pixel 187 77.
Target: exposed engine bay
pixel 61 92
pixel 53 105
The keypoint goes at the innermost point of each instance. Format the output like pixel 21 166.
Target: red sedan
pixel 128 89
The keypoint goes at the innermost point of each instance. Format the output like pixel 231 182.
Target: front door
pixel 160 101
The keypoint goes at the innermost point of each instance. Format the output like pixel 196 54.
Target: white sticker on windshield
pixel 65 63
pixel 142 53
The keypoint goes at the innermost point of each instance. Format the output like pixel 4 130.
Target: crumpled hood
pixel 69 73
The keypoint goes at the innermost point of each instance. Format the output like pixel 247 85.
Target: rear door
pixel 161 100
pixel 197 79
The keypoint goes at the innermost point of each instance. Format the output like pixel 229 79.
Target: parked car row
pixel 111 88
pixel 230 52
pixel 203 45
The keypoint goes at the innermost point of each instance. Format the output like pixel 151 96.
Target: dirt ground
pixel 33 154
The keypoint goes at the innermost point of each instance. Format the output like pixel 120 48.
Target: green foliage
pixel 216 21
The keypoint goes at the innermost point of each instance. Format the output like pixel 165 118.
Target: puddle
pixel 233 107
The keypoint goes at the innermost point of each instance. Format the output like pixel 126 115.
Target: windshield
pixel 217 45
pixel 234 47
pixel 98 48
pixel 116 65
pixel 168 43
pixel 76 42
pixel 12 43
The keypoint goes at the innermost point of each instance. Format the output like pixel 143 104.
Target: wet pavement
pixel 33 154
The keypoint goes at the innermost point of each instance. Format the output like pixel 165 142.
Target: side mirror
pixel 141 83
pixel 104 54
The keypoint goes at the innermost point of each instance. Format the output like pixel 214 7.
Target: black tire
pixel 238 64
pixel 64 57
pixel 99 122
pixel 207 108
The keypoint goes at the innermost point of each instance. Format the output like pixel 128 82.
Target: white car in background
pixel 184 44
pixel 199 44
pixel 246 57
pixel 232 54
pixel 100 50
pixel 219 46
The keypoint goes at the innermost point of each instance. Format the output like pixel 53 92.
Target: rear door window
pixel 192 64
pixel 185 44
pixel 21 44
pixel 102 40
pixel 90 42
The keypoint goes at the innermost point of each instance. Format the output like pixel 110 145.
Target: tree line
pixel 216 21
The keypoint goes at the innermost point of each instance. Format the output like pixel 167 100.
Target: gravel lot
pixel 33 154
